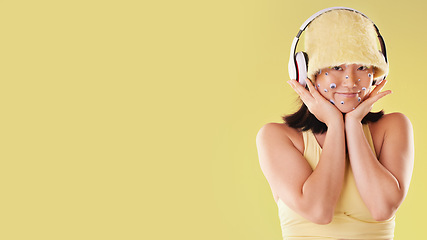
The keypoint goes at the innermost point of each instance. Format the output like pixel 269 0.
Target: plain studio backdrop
pixel 137 119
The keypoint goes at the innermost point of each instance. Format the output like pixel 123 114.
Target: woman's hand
pixel 321 108
pixel 365 107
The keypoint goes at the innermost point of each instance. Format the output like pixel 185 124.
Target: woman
pixel 336 170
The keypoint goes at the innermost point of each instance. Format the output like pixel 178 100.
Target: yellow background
pixel 137 119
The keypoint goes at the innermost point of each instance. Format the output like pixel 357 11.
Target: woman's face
pixel 346 86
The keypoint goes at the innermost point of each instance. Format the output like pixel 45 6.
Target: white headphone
pixel 298 62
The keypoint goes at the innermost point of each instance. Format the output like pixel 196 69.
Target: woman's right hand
pixel 321 108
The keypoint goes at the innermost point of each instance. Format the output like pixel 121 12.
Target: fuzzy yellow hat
pixel 343 37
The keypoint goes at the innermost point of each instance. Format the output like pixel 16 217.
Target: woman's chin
pixel 346 109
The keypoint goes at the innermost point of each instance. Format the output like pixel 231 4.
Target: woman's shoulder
pixel 273 129
pixel 274 132
pixel 391 121
pixel 389 125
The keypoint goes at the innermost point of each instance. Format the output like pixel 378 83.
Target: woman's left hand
pixel 365 107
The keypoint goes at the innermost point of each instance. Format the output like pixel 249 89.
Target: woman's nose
pixel 350 79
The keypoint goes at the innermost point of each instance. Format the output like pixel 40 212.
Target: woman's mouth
pixel 348 94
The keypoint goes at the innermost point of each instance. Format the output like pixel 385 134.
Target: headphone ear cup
pixel 292 68
pixel 301 59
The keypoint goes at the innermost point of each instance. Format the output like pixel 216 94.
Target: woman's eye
pixel 362 68
pixel 337 68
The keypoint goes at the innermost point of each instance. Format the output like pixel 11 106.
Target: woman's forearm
pixel 323 188
pixel 377 186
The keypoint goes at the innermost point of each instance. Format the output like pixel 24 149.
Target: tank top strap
pixel 312 149
pixel 368 137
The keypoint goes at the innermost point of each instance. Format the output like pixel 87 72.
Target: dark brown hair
pixel 304 120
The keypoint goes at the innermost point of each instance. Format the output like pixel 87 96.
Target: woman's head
pixel 341 47
pixel 346 86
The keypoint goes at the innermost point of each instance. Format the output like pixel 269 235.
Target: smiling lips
pixel 348 94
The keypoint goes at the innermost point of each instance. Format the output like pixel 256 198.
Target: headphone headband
pixel 310 19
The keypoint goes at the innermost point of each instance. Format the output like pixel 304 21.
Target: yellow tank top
pixel 352 219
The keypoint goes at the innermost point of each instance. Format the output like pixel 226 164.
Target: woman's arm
pixel 311 193
pixel 382 182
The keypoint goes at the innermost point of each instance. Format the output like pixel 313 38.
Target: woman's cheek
pixel 325 88
pixel 325 91
pixel 365 85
